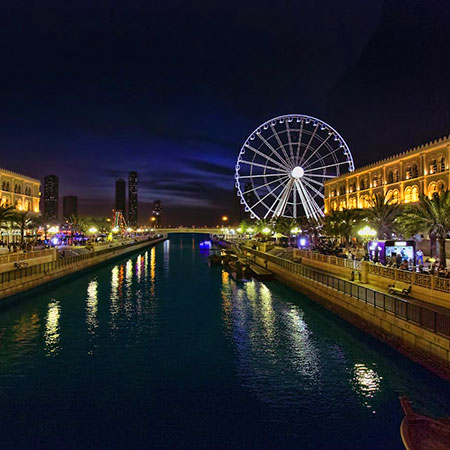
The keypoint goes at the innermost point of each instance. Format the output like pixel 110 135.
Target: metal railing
pixel 413 278
pixel 427 318
pixel 22 256
pixel 61 263
pixel 329 259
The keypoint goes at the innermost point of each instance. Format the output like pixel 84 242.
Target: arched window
pixel 28 205
pixel 364 201
pixel 414 194
pixel 352 203
pixel 433 166
pixel 364 183
pixel 408 195
pixel 393 196
pixel 390 177
pixel 441 186
pixel 396 175
pixel 415 171
pixel 432 189
pixel 333 206
pixel 342 205
pixel 333 193
pixel 442 164
pixel 408 172
pixel 352 187
pixel 342 189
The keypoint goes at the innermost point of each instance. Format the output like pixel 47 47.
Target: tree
pixel 284 225
pixel 6 217
pixel 430 216
pixel 341 224
pixel 23 221
pixel 381 215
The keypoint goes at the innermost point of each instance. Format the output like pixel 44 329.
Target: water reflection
pixel 91 306
pixel 52 330
pixel 267 335
pixel 366 382
pixel 166 257
pixel 139 262
pixel 152 271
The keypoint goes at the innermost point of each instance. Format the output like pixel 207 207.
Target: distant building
pixel 51 192
pixel 157 213
pixel 132 199
pixel 402 178
pixel 19 191
pixel 120 196
pixel 70 206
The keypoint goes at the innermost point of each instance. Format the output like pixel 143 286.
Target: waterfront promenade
pixel 50 265
pixel 417 327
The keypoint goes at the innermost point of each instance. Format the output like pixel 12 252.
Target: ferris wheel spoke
pixel 327 166
pixel 299 143
pixel 251 163
pixel 272 149
pixel 281 207
pixel 279 142
pixel 288 131
pixel 271 192
pixel 313 188
pixel 315 151
pixel 266 156
pixel 264 185
pixel 261 175
pixel 303 199
pixel 311 180
pixel 322 158
pixel 277 199
pixel 309 143
pixel 319 175
pixel 312 206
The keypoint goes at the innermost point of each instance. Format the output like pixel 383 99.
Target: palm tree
pixel 6 215
pixel 430 216
pixel 382 214
pixel 284 225
pixel 23 221
pixel 341 224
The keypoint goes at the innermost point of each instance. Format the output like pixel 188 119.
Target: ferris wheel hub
pixel 297 172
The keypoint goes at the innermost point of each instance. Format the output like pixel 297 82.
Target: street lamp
pixel 93 230
pixel 366 233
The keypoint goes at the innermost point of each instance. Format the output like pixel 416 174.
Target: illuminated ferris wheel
pixel 283 164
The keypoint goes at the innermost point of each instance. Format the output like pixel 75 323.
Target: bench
pixel 400 288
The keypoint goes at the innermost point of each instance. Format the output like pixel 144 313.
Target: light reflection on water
pixel 91 306
pixel 366 382
pixel 52 333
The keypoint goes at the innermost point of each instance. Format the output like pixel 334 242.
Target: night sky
pixel 91 90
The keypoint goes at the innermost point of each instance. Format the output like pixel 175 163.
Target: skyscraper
pixel 51 190
pixel 120 196
pixel 132 198
pixel 70 206
pixel 157 213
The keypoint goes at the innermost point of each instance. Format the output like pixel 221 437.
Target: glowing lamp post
pixel 92 230
pixel 366 233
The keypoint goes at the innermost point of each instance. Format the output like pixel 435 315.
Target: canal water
pixel 157 350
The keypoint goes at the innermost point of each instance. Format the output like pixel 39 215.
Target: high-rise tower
pixel 51 189
pixel 157 213
pixel 120 196
pixel 132 198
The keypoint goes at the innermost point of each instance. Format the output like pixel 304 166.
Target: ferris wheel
pixel 283 164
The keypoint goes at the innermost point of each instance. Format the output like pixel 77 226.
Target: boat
pixel 422 432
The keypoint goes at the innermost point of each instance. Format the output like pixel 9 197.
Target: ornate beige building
pixel 19 191
pixel 402 177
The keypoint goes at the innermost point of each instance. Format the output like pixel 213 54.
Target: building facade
pixel 19 191
pixel 402 178
pixel 70 206
pixel 120 196
pixel 51 193
pixel 132 199
pixel 157 210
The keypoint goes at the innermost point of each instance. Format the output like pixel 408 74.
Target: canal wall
pixel 420 332
pixel 21 280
